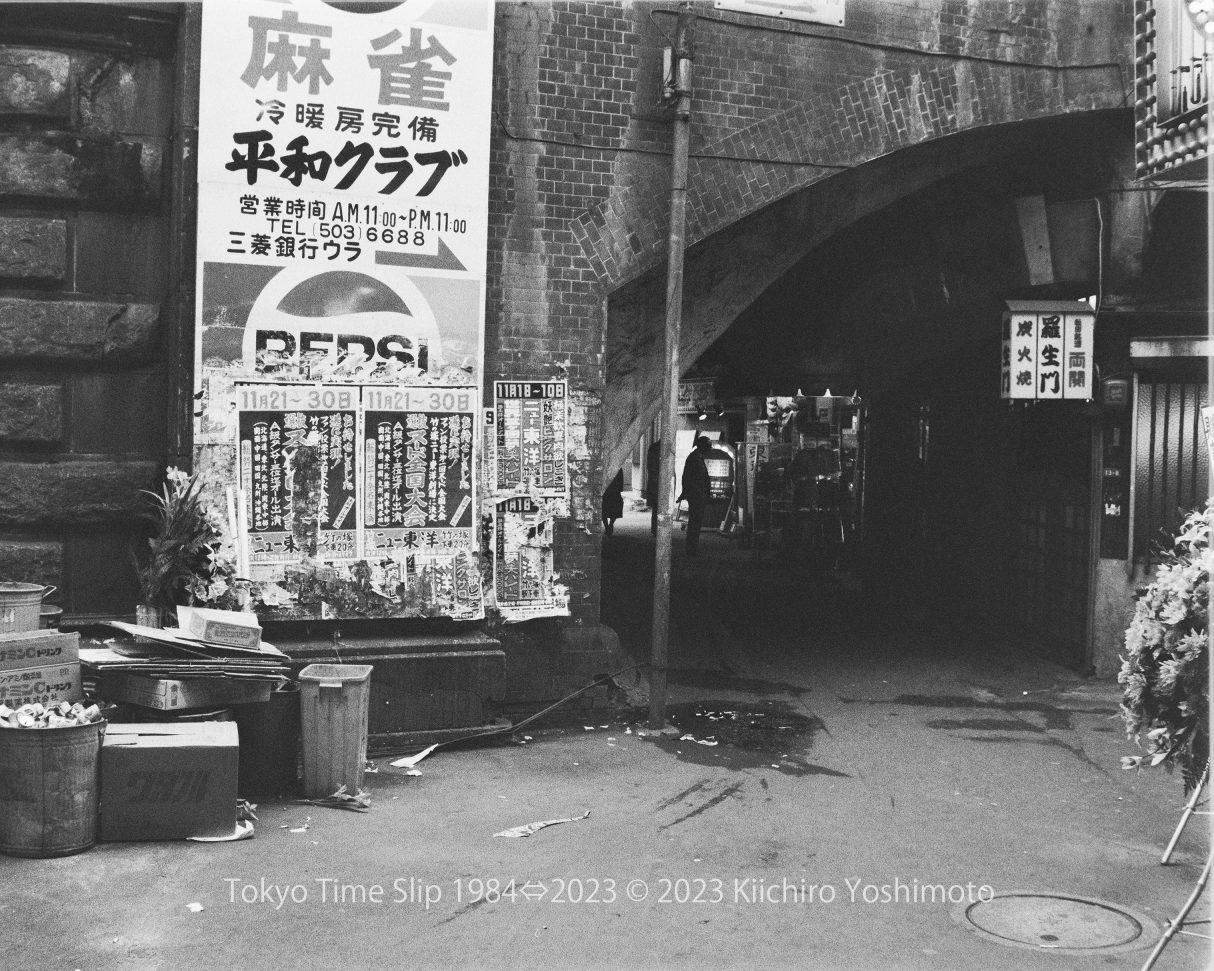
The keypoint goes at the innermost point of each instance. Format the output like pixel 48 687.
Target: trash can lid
pixel 336 672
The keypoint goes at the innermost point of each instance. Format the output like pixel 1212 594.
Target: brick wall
pixel 781 110
pixel 796 129
pixel 85 114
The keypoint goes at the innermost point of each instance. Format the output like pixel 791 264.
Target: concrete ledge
pixel 321 648
pixel 420 684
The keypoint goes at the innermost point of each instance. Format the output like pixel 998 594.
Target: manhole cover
pixel 1058 922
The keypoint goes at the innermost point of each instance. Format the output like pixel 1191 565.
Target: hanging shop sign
pixel 1047 350
pixel 530 438
pixel 343 167
pixel 524 583
pixel 696 396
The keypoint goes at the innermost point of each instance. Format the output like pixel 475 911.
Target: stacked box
pixel 168 781
pixel 170 694
pixel 229 628
pixel 39 666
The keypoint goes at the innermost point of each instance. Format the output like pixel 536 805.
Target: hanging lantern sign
pixel 1047 350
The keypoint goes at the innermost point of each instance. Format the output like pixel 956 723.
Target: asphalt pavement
pixel 841 792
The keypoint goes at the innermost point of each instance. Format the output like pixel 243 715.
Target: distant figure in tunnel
pixel 653 481
pixel 613 503
pixel 697 491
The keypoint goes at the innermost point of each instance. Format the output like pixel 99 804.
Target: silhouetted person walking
pixel 696 491
pixel 613 503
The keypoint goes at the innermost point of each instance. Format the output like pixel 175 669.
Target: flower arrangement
pixel 1165 670
pixel 184 564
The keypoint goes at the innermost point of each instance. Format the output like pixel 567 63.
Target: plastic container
pixel 269 745
pixel 334 707
pixel 21 606
pixel 48 789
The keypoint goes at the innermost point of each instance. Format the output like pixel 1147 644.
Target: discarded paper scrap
pixel 410 761
pixel 529 828
pixel 360 801
pixel 243 831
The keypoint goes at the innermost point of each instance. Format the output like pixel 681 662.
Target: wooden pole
pixel 670 382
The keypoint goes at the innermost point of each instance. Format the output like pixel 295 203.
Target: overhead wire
pixel 770 24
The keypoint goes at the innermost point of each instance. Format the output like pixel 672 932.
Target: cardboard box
pixel 45 684
pixel 38 648
pixel 166 694
pixel 168 781
pixel 227 627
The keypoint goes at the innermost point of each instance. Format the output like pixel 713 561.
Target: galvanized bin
pixel 334 705
pixel 48 789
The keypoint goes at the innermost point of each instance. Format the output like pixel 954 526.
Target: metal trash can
pixel 269 745
pixel 48 789
pixel 334 706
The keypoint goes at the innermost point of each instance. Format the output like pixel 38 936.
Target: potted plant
pixel 184 563
pixel 1165 670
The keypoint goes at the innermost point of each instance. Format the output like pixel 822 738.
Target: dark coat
pixel 613 498
pixel 696 487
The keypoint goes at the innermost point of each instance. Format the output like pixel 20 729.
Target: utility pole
pixel 681 62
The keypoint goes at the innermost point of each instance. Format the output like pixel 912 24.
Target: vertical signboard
pixel 530 438
pixel 529 476
pixel 1047 350
pixel 1077 352
pixel 1022 354
pixel 524 583
pixel 343 197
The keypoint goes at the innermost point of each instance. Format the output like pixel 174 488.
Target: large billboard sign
pixel 343 170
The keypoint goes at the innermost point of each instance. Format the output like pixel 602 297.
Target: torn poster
pixel 524 582
pixel 530 439
pixel 343 218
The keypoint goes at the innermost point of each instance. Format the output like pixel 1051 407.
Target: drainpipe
pixel 670 382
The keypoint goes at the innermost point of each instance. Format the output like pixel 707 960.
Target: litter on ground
pixel 528 828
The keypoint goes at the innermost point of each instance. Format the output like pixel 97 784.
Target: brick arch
pixel 728 270
pixel 860 121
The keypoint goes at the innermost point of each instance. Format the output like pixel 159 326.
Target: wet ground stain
pixel 747 736
pixel 1050 742
pixel 984 724
pixel 1055 717
pixel 763 727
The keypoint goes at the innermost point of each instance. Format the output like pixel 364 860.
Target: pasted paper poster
pixel 298 471
pixel 418 462
pixel 524 583
pixel 343 168
pixel 530 446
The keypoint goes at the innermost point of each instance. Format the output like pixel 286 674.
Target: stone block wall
pixel 86 108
